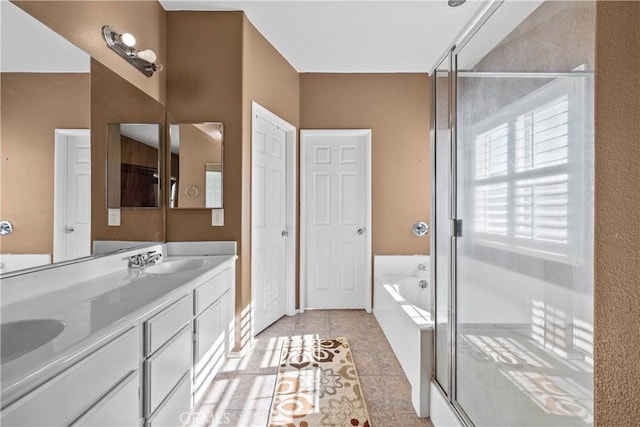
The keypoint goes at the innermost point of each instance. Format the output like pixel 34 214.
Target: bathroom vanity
pixel 97 342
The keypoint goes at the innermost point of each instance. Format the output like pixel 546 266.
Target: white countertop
pixel 94 311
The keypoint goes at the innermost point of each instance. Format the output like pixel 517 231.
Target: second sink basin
pixel 21 337
pixel 176 266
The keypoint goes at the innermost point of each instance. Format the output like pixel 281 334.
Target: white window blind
pixel 523 179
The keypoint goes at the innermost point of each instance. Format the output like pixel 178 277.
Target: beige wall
pixel 32 106
pixel 617 214
pixel 81 23
pixel 396 107
pixel 209 92
pixel 222 91
pixel 272 82
pixel 115 100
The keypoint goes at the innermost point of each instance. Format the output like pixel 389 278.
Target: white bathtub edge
pixel 441 413
pixel 412 346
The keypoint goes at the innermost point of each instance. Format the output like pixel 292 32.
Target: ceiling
pixel 314 36
pixel 29 46
pixel 351 36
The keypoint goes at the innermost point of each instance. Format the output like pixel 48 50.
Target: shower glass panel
pixel 441 206
pixel 524 258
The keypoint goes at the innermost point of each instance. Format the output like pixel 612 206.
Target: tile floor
pixel 240 395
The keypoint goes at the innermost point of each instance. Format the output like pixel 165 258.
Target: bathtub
pixel 403 310
pixel 13 262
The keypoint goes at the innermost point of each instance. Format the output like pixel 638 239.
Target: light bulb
pixel 147 55
pixel 128 39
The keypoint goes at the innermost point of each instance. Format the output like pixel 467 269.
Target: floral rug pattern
pixel 317 385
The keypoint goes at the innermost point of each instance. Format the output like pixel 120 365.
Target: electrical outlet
pixel 217 217
pixel 114 217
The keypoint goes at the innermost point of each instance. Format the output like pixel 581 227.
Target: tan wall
pixel 396 107
pixel 222 90
pixel 208 92
pixel 617 208
pixel 114 100
pixel 33 105
pixel 272 82
pixel 81 23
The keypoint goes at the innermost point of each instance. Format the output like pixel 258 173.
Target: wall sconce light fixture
pixel 123 45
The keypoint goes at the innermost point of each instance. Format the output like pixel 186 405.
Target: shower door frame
pixel 474 25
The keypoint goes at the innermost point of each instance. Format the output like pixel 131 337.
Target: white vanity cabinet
pixel 95 384
pixel 168 336
pixel 213 328
pixel 148 370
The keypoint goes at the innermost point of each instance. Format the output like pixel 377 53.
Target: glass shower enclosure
pixel 513 208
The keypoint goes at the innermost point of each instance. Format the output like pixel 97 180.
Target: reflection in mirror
pixel 46 148
pixel 133 159
pixel 196 165
pixel 47 105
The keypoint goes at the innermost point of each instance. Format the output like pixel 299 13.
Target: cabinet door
pixel 228 321
pixel 209 337
pixel 119 408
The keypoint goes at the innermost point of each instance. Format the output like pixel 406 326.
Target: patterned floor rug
pixel 317 385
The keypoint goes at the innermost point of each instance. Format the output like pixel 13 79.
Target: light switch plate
pixel 114 217
pixel 217 217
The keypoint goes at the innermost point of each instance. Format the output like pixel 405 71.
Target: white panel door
pixel 73 230
pixel 269 236
pixel 335 219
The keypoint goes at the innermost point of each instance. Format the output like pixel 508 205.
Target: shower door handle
pixel 455 227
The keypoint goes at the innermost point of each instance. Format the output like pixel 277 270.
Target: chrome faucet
pixel 135 261
pixel 141 260
pixel 151 257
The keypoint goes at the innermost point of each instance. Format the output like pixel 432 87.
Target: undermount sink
pixel 23 336
pixel 176 266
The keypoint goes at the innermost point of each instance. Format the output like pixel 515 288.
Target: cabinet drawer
pixel 163 325
pixel 166 367
pixel 66 396
pixel 213 289
pixel 174 411
pixel 119 408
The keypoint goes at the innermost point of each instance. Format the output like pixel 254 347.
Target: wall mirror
pixel 52 168
pixel 133 165
pixel 196 165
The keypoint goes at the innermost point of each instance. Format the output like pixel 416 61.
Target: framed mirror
pixel 55 111
pixel 196 165
pixel 133 165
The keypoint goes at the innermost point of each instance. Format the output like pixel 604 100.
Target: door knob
pixel 285 233
pixel 360 231
pixel 5 228
pixel 69 230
